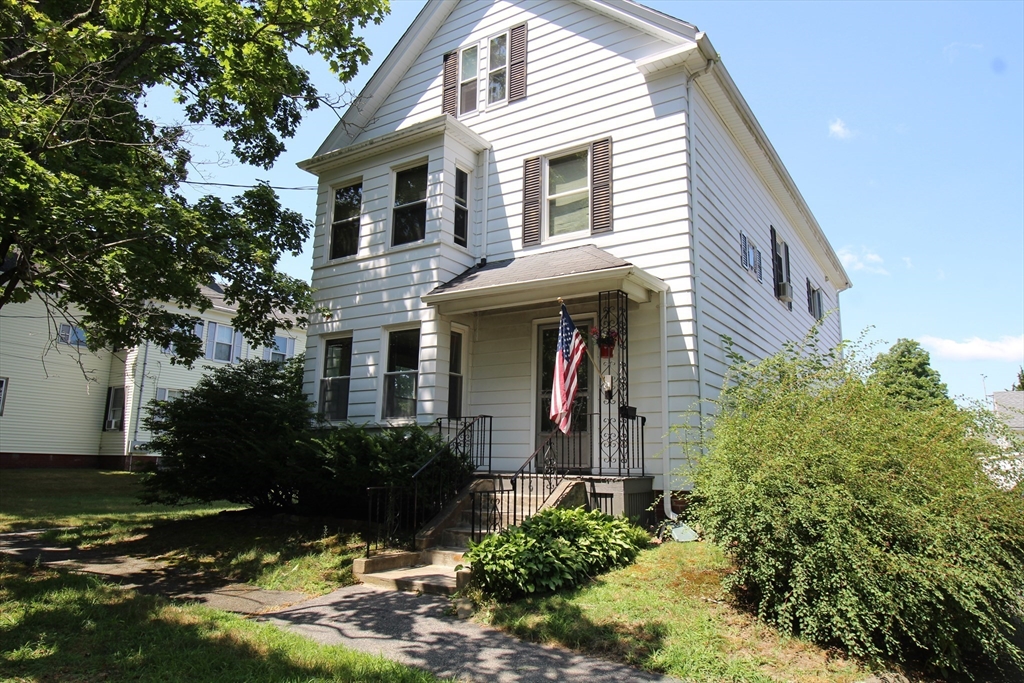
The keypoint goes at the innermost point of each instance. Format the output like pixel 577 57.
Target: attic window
pixel 505 69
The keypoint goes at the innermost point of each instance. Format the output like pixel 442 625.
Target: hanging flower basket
pixel 605 341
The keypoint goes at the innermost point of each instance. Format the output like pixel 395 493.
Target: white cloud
pixel 906 260
pixel 867 261
pixel 1009 349
pixel 837 129
pixel 953 50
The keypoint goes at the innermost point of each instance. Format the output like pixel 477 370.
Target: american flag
pixel 568 357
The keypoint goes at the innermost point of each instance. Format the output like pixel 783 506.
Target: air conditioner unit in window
pixel 784 291
pixel 112 425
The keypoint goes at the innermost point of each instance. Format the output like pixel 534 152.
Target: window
pixel 113 415
pixel 334 384
pixel 568 193
pixel 348 202
pixel 4 383
pixel 402 376
pixel 71 334
pixel 410 214
pixel 282 350
pixel 223 344
pixel 750 257
pixel 497 69
pixel 169 394
pixel 197 330
pixel 780 270
pixel 455 376
pixel 815 301
pixel 461 207
pixel 506 73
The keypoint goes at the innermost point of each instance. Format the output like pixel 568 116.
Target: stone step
pixel 434 579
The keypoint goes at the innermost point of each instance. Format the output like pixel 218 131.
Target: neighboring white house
pixel 507 154
pixel 62 405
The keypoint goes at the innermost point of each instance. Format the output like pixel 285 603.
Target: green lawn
pixel 667 614
pixel 56 626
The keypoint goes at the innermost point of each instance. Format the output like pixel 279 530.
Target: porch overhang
pixel 542 278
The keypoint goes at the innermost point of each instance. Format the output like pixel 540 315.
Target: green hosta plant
pixel 554 549
pixel 855 520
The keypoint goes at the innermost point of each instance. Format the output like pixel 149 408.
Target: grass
pixel 89 509
pixel 56 626
pixel 667 614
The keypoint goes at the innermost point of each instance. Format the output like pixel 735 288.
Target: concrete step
pixel 448 556
pixel 434 579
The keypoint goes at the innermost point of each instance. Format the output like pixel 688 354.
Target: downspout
pixel 138 409
pixel 667 497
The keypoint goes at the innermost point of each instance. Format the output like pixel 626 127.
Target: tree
pixel 91 218
pixel 241 434
pixel 1019 386
pixel 906 373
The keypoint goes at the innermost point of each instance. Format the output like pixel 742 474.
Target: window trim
pixel 488 104
pixel 385 357
pixel 395 170
pixel 463 331
pixel 466 207
pixel 546 197
pixel 321 389
pixel 357 219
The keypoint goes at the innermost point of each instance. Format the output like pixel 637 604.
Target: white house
pixel 508 154
pixel 62 405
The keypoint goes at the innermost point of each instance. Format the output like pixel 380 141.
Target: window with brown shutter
pixel 601 186
pixel 517 63
pixel 531 201
pixel 450 98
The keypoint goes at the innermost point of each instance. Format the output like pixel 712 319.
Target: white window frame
pixel 466 207
pixel 394 203
pixel 466 79
pixel 508 54
pixel 285 349
pixel 357 219
pixel 464 362
pixel 545 236
pixel 113 424
pixel 4 384
pixel 384 374
pixel 324 378
pixel 217 343
pixel 72 335
pixel 198 329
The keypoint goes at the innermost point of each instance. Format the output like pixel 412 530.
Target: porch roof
pixel 566 273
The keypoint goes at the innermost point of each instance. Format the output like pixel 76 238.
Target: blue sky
pixel 902 125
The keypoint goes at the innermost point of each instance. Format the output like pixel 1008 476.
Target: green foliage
pixel 554 549
pixel 89 203
pixel 1019 385
pixel 906 373
pixel 853 520
pixel 242 434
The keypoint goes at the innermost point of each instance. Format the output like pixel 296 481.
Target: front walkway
pixel 405 627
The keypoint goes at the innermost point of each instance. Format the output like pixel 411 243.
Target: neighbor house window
pixel 348 202
pixel 4 382
pixel 282 350
pixel 569 193
pixel 71 334
pixel 113 415
pixel 334 384
pixel 169 394
pixel 223 344
pixel 467 80
pixel 506 72
pixel 750 257
pixel 197 330
pixel 815 301
pixel 497 69
pixel 780 269
pixel 461 207
pixel 402 376
pixel 410 213
pixel 455 376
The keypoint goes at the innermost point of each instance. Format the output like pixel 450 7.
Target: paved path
pixel 413 629
pixel 404 627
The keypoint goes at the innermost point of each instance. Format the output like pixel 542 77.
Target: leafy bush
pixel 242 434
pixel 554 549
pixel 852 519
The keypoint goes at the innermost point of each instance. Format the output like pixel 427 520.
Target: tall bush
pixel 854 520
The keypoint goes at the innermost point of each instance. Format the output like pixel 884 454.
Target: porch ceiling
pixel 542 278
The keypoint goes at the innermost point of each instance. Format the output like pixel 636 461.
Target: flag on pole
pixel 568 357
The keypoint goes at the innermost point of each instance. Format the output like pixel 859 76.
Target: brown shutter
pixel 531 201
pixel 450 99
pixel 517 63
pixel 775 263
pixel 601 186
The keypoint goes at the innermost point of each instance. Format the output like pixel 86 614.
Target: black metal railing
pixel 397 512
pixel 621 444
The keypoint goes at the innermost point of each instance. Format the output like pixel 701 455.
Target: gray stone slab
pixel 415 630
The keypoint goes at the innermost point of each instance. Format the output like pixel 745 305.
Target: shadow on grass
pixel 74 628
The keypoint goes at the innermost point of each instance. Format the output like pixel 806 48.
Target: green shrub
pixel 854 520
pixel 554 549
